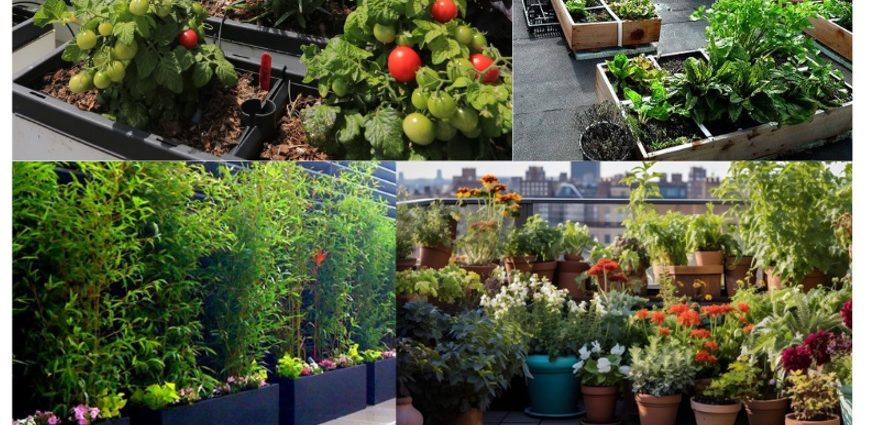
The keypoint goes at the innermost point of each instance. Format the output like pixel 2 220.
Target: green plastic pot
pixel 552 387
pixel 845 403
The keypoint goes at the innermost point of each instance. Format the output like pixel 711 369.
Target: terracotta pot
pixel 715 414
pixel 405 264
pixel 434 257
pixel 708 278
pixel 812 280
pixel 708 258
pixel 658 410
pixel 568 271
pixel 600 403
pixel 573 258
pixel 790 420
pixel 483 270
pixel 545 269
pixel 734 271
pixel 518 263
pixel 471 417
pixel 767 412
pixel 405 413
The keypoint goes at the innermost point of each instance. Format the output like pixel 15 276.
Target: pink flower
pixel 846 314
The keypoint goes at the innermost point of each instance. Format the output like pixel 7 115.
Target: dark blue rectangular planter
pixel 251 407
pixel 381 381
pixel 312 400
pixel 117 421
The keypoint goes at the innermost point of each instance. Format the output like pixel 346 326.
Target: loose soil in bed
pixel 672 64
pixel 218 130
pixel 291 141
pixel 318 23
pixel 657 135
pixel 604 142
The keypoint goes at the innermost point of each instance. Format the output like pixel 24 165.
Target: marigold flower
pixel 743 307
pixel 488 178
pixel 711 345
pixel 703 356
pixel 700 333
pixel 463 192
pixel 658 317
pixel 664 331
pixel 688 318
pixel 498 188
pixel 642 314
pixel 679 308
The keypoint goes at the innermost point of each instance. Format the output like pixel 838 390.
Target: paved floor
pixel 550 86
pixel 381 414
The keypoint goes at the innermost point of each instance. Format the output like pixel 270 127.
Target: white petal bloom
pixel 625 370
pixel 604 365
pixel 595 347
pixel 584 354
pixel 617 350
pixel 578 366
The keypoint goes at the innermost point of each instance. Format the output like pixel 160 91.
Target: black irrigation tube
pixel 269 38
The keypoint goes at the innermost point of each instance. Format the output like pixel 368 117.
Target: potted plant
pixel 603 133
pixel 813 398
pixel 719 403
pixel 480 245
pixel 545 245
pixel 518 252
pixel 432 233
pixel 739 266
pixel 634 261
pixel 450 287
pixel 380 369
pixel 600 372
pixel 405 223
pixel 575 241
pixel 607 275
pixel 660 372
pixel 706 235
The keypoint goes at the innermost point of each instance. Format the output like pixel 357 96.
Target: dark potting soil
pixel 672 64
pixel 217 132
pixel 291 141
pixel 678 130
pixel 606 143
pixel 318 23
pixel 594 15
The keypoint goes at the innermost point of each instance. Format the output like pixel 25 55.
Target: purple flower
pixel 846 314
pixel 796 358
pixel 821 345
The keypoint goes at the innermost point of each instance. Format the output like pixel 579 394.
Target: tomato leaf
pixel 318 122
pixel 185 58
pixel 168 74
pixel 202 74
pixel 352 128
pixel 482 96
pixel 51 10
pixel 71 53
pixel 125 31
pixel 444 49
pixel 385 11
pixel 225 72
pixel 383 131
pixel 146 61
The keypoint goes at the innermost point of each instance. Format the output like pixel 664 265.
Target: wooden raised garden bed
pixel 601 35
pixel 761 141
pixel 832 36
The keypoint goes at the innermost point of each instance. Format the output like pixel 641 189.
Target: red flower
pixel 743 307
pixel 608 264
pixel 717 310
pixel 594 270
pixel 619 277
pixel 748 328
pixel 658 317
pixel 846 313
pixel 743 319
pixel 796 358
pixel 642 314
pixel 679 308
pixel 688 318
pixel 711 345
pixel 700 333
pixel 705 357
pixel 821 345
pixel 320 257
pixel 663 331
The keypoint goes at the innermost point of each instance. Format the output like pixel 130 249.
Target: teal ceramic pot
pixel 553 389
pixel 845 402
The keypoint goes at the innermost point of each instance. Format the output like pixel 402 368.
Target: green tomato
pixel 138 7
pixel 419 98
pixel 105 29
pixel 473 134
pixel 86 40
pixel 427 78
pixel 461 67
pixel 163 10
pixel 444 131
pixel 464 34
pixel 102 80
pixel 197 8
pixel 418 128
pixel 80 82
pixel 124 51
pixel 465 119
pixel 339 86
pixel 117 71
pixel 441 105
pixel 384 33
pixel 478 43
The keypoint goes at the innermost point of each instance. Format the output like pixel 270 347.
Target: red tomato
pixel 188 39
pixel 444 11
pixel 480 64
pixel 403 62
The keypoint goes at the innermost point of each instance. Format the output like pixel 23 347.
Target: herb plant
pixel 632 10
pixel 813 395
pixel 433 226
pixel 708 232
pixel 543 241
pixel 661 368
pixel 575 238
pixel 448 284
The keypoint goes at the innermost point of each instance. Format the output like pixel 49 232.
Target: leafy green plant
pixel 460 83
pixel 110 405
pixel 448 284
pixel 575 238
pixel 144 74
pixel 638 73
pixel 433 225
pixel 576 7
pixel 664 237
pixel 740 383
pixel 540 239
pixel 601 368
pixel 157 396
pixel 813 395
pixel 371 356
pixel 840 10
pixel 631 10
pixel 655 107
pixel 708 232
pixel 294 367
pixel 662 368
pixel 405 223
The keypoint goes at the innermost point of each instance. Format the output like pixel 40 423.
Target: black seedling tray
pixel 268 38
pixel 24 31
pixel 110 136
pixel 541 19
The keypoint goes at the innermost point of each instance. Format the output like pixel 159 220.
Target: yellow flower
pixel 708 297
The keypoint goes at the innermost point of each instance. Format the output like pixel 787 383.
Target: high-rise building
pixel 535 183
pixel 585 173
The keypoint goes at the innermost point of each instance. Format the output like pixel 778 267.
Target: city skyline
pixel 428 170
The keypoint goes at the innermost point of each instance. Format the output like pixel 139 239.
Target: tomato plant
pixel 444 11
pixel 481 64
pixel 144 70
pixel 381 115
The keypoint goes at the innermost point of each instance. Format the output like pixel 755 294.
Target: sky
pixel 416 170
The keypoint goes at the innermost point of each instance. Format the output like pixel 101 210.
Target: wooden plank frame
pixel 833 36
pixel 602 35
pixel 761 141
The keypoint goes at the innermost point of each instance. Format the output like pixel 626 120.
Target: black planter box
pixel 24 31
pixel 120 139
pixel 251 407
pixel 312 400
pixel 381 381
pixel 269 38
pixel 118 421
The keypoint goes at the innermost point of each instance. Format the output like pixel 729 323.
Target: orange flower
pixel 658 317
pixel 664 331
pixel 679 308
pixel 700 333
pixel 642 314
pixel 743 307
pixel 717 310
pixel 748 328
pixel 463 192
pixel 488 178
pixel 498 188
pixel 594 270
pixel 320 257
pixel 689 318
pixel 711 345
pixel 743 319
pixel 704 357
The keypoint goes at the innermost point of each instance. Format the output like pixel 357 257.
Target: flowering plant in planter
pixel 294 367
pixel 606 275
pixel 601 368
pixel 664 367
pixel 575 239
pixel 480 244
pixel 39 418
pixel 449 284
pixel 813 395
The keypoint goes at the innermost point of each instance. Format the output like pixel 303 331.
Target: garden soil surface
pixel 319 23
pixel 672 64
pixel 291 141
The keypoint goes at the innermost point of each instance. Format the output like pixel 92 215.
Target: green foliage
pixel 297 13
pixel 742 382
pixel 536 238
pixel 371 356
pixel 638 73
pixel 813 395
pixel 449 284
pixel 162 80
pixel 842 367
pixel 432 226
pixel 601 368
pixel 654 107
pixel 576 7
pixel 664 237
pixel 575 238
pixel 840 10
pixel 110 405
pixel 405 223
pixel 294 367
pixel 664 367
pixel 708 232
pixel 156 396
pixel 631 10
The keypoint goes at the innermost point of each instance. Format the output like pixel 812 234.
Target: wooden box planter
pixel 685 276
pixel 311 400
pixel 268 38
pixel 602 35
pixel 251 407
pixel 380 381
pixel 760 141
pixel 833 36
pixel 119 139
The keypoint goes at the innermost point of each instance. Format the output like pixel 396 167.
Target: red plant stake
pixel 265 71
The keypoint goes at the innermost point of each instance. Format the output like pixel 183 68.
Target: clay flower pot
pixel 658 410
pixel 405 413
pixel 568 271
pixel 518 263
pixel 767 412
pixel 600 404
pixel 434 257
pixel 715 414
pixel 735 271
pixel 545 269
pixel 790 420
pixel 484 270
pixel 709 258
pixel 471 417
pixel 812 280
pixel 405 264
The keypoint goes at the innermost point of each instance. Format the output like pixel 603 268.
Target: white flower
pixel 625 370
pixel 595 347
pixel 604 365
pixel 617 350
pixel 578 366
pixel 584 354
